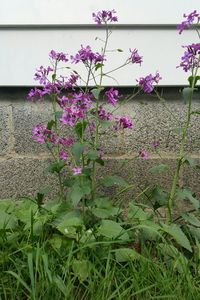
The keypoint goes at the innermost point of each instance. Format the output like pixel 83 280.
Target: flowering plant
pixel 91 215
pixel 81 109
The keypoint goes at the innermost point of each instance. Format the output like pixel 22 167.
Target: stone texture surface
pixel 23 160
pixel 153 122
pixel 23 177
pixel 5 129
pixel 25 116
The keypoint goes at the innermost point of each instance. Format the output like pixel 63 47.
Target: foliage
pixel 82 245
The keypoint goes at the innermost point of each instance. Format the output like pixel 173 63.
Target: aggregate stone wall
pixel 22 161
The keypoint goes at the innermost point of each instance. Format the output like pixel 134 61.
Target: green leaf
pixel 176 232
pixel 126 254
pixel 160 168
pixel 100 161
pixel 55 242
pixel 7 221
pixel 120 50
pixel 93 154
pixel 98 66
pixel 58 114
pixel 68 223
pixel 80 128
pixel 187 93
pixel 103 213
pixel 135 212
pixel 188 195
pixel 81 269
pixel 193 78
pixel 50 124
pixel 114 180
pixel 96 92
pixel 180 262
pixel 159 196
pixel 112 230
pixel 191 161
pixel 77 150
pixel 190 218
pixel 79 191
pixel 55 167
pixel 195 232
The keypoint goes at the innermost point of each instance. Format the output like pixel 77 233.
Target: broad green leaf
pixel 176 232
pixel 180 262
pixel 160 169
pixel 149 230
pixel 113 180
pixel 80 128
pixel 112 230
pixel 191 161
pixel 135 212
pixel 187 93
pixel 55 167
pixel 7 221
pixel 159 196
pixel 56 242
pixel 120 50
pixel 96 92
pixel 195 232
pixel 77 150
pixel 50 124
pixel 79 191
pixel 93 154
pixel 191 219
pixel 103 202
pixel 69 223
pixel 126 254
pixel 81 269
pixel 187 194
pixel 104 213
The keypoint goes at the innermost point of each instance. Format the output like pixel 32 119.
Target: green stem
pixel 181 154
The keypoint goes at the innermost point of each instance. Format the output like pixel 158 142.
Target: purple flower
pixel 125 122
pixel 147 83
pixel 35 94
pixel 113 96
pixel 59 56
pixel 77 170
pixel 191 18
pixel 155 144
pixel 143 154
pixel 104 16
pixel 66 141
pixel 40 133
pixel 85 54
pixel 190 59
pixel 104 115
pixel 63 154
pixel 41 74
pixel 135 58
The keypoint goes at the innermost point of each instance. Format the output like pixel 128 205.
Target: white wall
pixel 25 48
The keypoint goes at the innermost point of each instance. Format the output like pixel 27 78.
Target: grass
pixel 41 263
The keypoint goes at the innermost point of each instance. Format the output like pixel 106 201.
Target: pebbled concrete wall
pixel 22 161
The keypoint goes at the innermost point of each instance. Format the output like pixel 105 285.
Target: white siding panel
pixel 79 11
pixel 24 50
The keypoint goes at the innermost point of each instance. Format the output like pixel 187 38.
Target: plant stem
pixel 180 157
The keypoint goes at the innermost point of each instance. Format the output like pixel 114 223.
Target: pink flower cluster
pixel 105 16
pixel 191 19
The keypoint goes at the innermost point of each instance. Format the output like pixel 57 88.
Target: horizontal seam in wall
pixel 131 156
pixel 87 26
